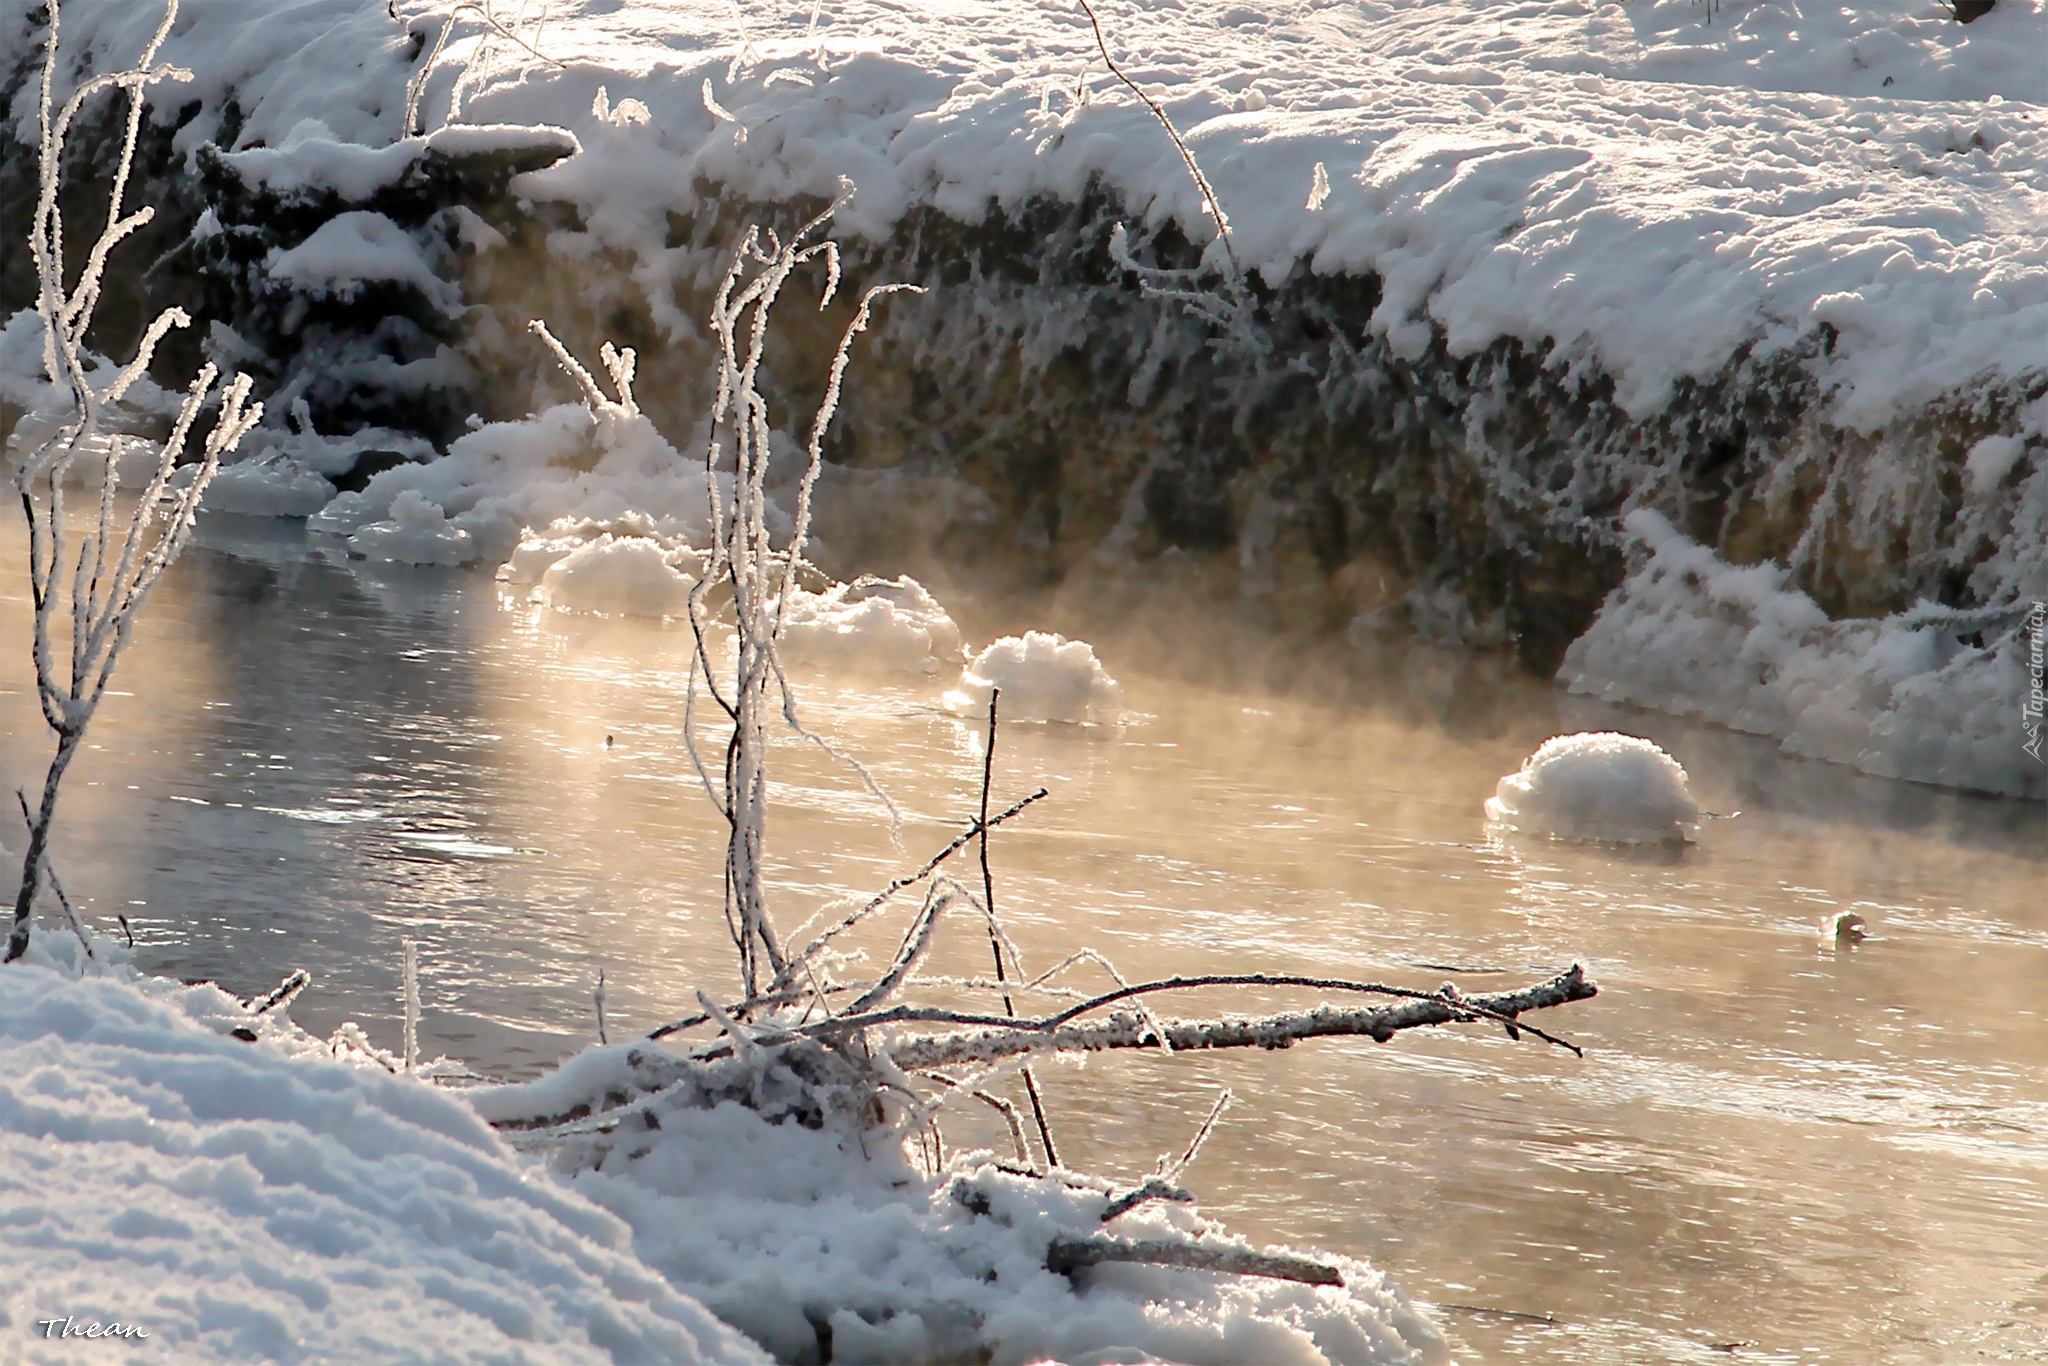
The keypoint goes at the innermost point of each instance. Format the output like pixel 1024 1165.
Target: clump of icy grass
pixel 891 625
pixel 241 1203
pixel 799 1235
pixel 1044 677
pixel 1598 785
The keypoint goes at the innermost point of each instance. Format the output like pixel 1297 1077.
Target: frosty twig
pixel 119 562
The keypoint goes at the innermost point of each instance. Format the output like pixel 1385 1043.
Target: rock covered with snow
pixel 1043 677
pixel 889 625
pixel 1598 785
pixel 416 532
pixel 239 1203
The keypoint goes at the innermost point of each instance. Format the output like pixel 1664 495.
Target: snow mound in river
pixel 1043 677
pixel 1598 785
pixel 238 1203
pixel 415 532
pixel 633 576
pixel 889 625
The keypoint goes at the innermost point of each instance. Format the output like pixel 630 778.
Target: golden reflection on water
pixel 1831 1156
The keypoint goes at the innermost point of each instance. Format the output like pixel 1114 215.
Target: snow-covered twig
pixel 412 1004
pixel 996 1039
pixel 817 946
pixel 1187 155
pixel 995 934
pixel 283 994
pixel 109 580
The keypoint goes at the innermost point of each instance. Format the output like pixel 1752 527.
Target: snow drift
pixel 240 1203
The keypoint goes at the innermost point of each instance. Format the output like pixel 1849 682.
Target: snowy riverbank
pixel 241 1199
pixel 1771 272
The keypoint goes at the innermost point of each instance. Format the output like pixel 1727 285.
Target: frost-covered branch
pixel 98 592
pixel 991 1043
pixel 759 577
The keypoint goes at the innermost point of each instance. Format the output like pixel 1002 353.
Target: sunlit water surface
pixel 1770 1152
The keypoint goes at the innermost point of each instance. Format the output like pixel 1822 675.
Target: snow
pixel 269 486
pixel 416 533
pixel 885 625
pixel 1651 187
pixel 633 576
pixel 1043 677
pixel 241 1201
pixel 779 1228
pixel 352 248
pixel 311 157
pixel 1598 785
pixel 1904 696
pixel 1644 192
pixel 499 481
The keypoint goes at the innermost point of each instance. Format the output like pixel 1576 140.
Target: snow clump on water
pixel 1044 677
pixel 237 1202
pixel 889 625
pixel 629 576
pixel 1598 785
pixel 416 533
pixel 269 486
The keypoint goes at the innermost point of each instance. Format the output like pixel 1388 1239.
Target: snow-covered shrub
pixel 1044 677
pixel 892 625
pixel 101 590
pixel 1598 785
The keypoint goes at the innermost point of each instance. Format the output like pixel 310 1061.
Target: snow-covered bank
pixel 238 1203
pixel 240 1200
pixel 1931 694
pixel 1772 271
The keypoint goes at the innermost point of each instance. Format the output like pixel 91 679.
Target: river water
pixel 1771 1151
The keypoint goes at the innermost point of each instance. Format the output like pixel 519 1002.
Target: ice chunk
pixel 272 486
pixel 1598 785
pixel 1044 677
pixel 416 534
pixel 893 625
pixel 631 576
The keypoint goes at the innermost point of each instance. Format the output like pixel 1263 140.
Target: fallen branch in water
pixel 1068 1255
pixel 987 1045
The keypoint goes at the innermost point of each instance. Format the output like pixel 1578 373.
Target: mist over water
pixel 1830 1155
